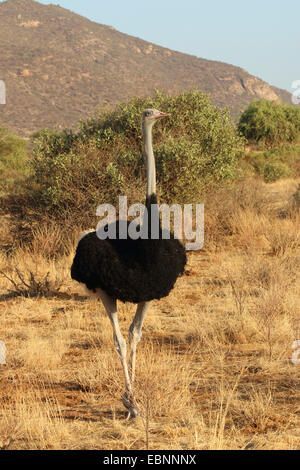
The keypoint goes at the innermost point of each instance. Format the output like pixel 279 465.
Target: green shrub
pixel 13 158
pixel 270 123
pixel 197 146
pixel 281 161
pixel 273 171
pixel 50 143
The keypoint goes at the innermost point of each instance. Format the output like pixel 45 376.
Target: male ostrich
pixel 136 271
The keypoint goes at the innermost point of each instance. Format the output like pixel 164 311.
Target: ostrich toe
pixel 130 403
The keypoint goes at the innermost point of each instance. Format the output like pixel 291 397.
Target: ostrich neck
pixel 150 161
pixel 151 214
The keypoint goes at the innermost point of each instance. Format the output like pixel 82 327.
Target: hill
pixel 58 66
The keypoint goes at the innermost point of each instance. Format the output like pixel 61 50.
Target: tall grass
pixel 214 367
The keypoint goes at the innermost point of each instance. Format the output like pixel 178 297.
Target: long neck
pixel 151 215
pixel 150 161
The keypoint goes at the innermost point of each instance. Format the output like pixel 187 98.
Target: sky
pixel 261 36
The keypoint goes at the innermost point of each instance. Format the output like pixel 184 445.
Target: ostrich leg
pixel 120 345
pixel 135 334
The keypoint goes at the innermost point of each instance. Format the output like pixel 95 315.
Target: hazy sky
pixel 261 36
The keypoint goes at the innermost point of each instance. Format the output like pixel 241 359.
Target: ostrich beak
pixel 160 115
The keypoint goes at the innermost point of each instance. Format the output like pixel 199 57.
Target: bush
pixel 13 158
pixel 273 171
pixel 51 143
pixel 270 123
pixel 197 146
pixel 275 163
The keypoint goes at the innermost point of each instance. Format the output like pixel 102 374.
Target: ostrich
pixel 136 271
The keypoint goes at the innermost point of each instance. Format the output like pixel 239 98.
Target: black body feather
pixel 130 270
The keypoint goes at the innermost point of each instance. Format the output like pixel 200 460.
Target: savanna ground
pixel 214 368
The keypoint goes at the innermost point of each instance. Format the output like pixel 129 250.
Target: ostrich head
pixel 150 116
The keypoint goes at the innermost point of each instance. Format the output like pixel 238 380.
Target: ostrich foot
pixel 130 403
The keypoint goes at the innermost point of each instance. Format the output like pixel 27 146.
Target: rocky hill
pixel 58 67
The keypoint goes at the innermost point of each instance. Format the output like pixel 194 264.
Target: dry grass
pixel 214 367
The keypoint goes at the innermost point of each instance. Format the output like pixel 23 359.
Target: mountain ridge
pixel 59 66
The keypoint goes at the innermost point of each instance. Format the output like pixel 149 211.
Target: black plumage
pixel 130 270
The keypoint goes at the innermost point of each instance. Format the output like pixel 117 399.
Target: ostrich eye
pixel 147 113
